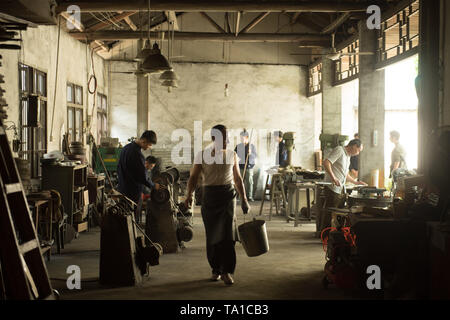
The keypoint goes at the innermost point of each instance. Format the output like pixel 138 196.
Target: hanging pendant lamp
pixel 156 62
pixel 144 53
pixel 170 83
pixel 169 75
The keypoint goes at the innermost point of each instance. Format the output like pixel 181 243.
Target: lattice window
pixel 399 33
pixel 347 67
pixel 315 79
pixel 33 116
pixel 75 112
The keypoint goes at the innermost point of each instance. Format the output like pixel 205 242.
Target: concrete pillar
pixel 331 100
pixel 371 107
pixel 142 104
pixel 429 82
pixel 445 117
pixel 142 115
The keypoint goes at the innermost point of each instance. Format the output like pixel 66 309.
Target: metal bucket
pixel 253 236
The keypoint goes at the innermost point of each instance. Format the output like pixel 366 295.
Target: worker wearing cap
pixel 131 171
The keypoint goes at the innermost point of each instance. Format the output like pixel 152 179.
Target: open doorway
pixel 401 104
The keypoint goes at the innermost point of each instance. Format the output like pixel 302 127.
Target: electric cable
pixel 93 76
pixel 56 77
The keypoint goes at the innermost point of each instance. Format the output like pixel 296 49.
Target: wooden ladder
pixel 24 274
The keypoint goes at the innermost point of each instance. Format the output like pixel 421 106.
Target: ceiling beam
pixel 130 23
pixel 116 18
pixel 238 19
pixel 218 6
pixel 254 22
pixel 227 19
pixel 212 22
pixel 75 22
pixel 310 23
pixel 80 27
pixel 171 17
pixel 203 36
pixel 336 23
pixel 295 17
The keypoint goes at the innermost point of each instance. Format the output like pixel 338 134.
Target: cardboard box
pixel 86 197
pixel 80 227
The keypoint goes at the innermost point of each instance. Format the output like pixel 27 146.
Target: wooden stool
pixel 276 193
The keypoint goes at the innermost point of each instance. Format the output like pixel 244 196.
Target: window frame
pixel 350 45
pixel 77 108
pixel 409 43
pixel 34 139
pixel 311 73
pixel 102 113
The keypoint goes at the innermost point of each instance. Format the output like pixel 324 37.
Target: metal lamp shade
pixel 169 75
pixel 144 53
pixel 155 62
pixel 170 83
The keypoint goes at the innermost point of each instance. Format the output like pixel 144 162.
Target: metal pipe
pixel 205 36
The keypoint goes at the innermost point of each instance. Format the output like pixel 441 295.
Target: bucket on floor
pixel 253 237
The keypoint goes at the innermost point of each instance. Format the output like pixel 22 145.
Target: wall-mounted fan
pixel 332 53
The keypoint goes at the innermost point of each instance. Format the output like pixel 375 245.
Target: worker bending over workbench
pixel 336 166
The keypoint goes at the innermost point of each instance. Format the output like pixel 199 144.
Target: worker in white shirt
pixel 336 166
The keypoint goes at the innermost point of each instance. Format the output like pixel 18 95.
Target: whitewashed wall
pixel 39 49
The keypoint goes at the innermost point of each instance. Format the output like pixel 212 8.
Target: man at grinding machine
pixel 131 170
pixel 337 172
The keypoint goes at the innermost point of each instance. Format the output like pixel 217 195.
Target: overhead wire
pixel 56 77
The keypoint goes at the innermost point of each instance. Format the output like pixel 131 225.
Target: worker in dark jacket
pixel 131 170
pixel 282 154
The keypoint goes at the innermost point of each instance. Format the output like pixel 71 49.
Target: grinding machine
pixel 168 222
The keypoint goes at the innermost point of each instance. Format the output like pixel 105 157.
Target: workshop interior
pixel 338 113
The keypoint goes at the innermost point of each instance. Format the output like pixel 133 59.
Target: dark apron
pixel 218 204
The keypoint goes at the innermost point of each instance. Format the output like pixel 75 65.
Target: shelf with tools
pixel 71 183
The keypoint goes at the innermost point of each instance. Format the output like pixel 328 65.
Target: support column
pixel 445 37
pixel 371 107
pixel 142 102
pixel 428 77
pixel 331 100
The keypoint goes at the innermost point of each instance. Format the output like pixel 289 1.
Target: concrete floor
pixel 291 270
